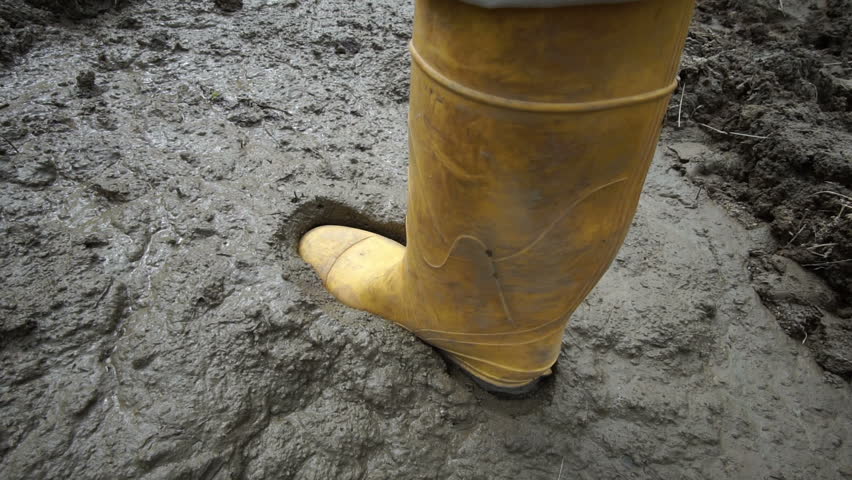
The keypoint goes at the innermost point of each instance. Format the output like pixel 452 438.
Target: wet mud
pixel 765 114
pixel 159 161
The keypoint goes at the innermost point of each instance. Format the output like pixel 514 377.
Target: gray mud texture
pixel 765 110
pixel 159 163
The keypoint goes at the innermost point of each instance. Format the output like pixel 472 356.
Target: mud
pixel 767 87
pixel 159 162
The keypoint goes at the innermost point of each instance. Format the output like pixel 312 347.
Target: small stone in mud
pixel 229 5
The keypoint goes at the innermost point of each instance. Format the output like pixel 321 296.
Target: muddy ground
pixel 763 123
pixel 160 160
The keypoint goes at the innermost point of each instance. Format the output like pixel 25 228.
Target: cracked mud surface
pixel 159 162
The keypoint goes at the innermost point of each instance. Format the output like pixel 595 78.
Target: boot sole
pixel 490 387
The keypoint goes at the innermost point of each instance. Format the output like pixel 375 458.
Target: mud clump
pixel 803 308
pixel 86 86
pixel 77 8
pixel 20 26
pixel 229 5
pixel 771 89
pixel 25 22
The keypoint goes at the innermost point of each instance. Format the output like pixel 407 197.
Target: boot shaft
pixel 565 55
pixel 531 135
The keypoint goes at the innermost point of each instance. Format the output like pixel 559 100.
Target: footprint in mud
pixel 325 211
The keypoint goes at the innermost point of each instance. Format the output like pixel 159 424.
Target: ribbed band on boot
pixel 539 3
pixel 543 107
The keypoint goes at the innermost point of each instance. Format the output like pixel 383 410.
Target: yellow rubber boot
pixel 531 132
